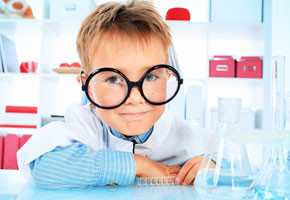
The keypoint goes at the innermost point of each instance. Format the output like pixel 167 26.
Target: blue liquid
pixel 262 193
pixel 239 181
pixel 225 187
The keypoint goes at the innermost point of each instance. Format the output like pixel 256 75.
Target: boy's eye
pixel 114 79
pixel 151 77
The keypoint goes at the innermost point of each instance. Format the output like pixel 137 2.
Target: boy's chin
pixel 135 130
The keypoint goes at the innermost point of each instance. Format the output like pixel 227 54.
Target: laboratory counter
pixel 13 186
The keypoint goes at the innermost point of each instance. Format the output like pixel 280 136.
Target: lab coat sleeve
pixel 78 166
pixel 80 126
pixel 44 140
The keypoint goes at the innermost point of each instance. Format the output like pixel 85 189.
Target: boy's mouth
pixel 135 115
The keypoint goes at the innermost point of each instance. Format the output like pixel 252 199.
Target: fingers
pixel 173 170
pixel 189 170
pixel 183 171
pixel 190 177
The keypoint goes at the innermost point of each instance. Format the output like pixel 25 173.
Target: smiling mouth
pixel 133 115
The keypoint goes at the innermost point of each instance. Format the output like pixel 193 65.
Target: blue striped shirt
pixel 78 166
pixel 139 139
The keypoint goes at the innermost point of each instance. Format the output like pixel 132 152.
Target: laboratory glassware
pixel 225 170
pixel 155 181
pixel 273 181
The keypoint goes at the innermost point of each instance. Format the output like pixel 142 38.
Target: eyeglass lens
pixel 109 88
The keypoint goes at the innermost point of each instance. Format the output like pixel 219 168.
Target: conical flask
pixel 225 170
pixel 273 181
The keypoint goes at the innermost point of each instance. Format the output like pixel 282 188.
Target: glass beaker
pixel 225 170
pixel 273 181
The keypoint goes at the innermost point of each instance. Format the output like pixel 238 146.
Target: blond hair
pixel 135 18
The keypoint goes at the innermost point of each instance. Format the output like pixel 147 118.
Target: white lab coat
pixel 172 142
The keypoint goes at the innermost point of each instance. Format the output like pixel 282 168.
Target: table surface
pixel 14 186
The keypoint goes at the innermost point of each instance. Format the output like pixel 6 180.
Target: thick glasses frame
pixel 130 84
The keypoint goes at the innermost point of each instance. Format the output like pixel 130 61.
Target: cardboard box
pixel 249 67
pixel 222 66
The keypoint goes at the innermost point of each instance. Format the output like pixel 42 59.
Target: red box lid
pixel 250 58
pixel 222 58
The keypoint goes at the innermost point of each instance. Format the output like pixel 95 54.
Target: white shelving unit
pixel 51 42
pixel 22 131
pixel 196 43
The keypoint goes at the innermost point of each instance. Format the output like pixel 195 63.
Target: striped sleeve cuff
pixel 116 167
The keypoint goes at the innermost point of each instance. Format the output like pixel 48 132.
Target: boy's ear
pixel 83 79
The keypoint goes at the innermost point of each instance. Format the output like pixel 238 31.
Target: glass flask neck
pixel 278 156
pixel 229 111
pixel 224 126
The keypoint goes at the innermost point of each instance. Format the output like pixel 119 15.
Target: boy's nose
pixel 135 97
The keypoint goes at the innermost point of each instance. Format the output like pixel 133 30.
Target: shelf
pixel 215 23
pixel 63 27
pixel 230 79
pixel 18 131
pixel 247 82
pixel 40 75
pixel 195 43
pixel 236 31
pixel 10 27
pixel 27 27
pixel 227 31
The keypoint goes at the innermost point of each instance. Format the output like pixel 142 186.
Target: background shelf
pixel 53 41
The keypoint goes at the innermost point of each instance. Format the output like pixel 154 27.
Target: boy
pixel 126 130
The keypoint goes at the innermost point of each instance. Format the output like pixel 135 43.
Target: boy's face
pixel 133 58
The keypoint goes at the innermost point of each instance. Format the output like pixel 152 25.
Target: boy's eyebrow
pixel 125 70
pixel 140 72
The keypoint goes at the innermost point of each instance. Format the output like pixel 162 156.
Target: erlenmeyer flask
pixel 225 170
pixel 273 181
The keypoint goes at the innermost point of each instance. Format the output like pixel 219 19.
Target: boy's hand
pixel 146 167
pixel 189 170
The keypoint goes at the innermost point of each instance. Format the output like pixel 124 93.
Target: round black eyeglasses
pixel 109 88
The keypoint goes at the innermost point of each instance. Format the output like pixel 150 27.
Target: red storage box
pixel 250 67
pixel 1 151
pixel 23 140
pixel 222 66
pixel 11 144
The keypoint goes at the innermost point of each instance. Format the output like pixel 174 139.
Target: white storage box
pixel 70 9
pixel 237 11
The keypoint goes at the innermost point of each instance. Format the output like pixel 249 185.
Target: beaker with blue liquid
pixel 230 176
